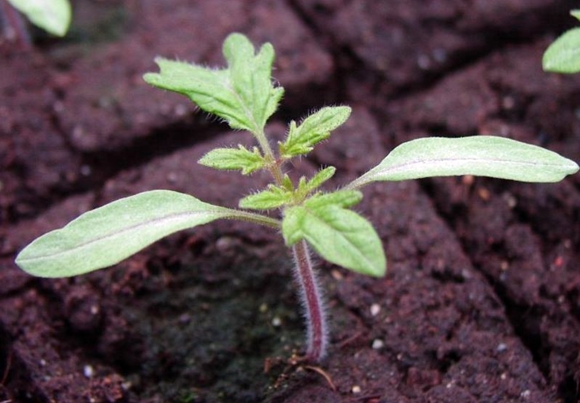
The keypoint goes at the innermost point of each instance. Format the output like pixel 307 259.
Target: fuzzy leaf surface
pixel 232 159
pixel 53 16
pixel 491 156
pixel 563 55
pixel 111 233
pixel 271 198
pixel 339 235
pixel 342 198
pixel 314 129
pixel 242 94
pixel 319 178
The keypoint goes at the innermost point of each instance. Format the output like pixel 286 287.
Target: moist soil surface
pixel 481 302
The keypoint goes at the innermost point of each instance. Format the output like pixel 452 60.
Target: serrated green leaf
pixel 232 159
pixel 341 198
pixel 321 176
pixel 563 55
pixel 242 94
pixel 339 235
pixel 111 233
pixel 251 78
pixel 271 198
pixel 305 187
pixel 314 129
pixel 491 156
pixel 53 16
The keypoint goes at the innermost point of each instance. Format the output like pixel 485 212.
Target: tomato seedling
pixel 243 95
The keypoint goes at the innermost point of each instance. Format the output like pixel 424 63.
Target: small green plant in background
pixel 53 16
pixel 243 95
pixel 563 55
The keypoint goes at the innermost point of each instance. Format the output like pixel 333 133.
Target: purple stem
pixel 312 302
pixel 13 27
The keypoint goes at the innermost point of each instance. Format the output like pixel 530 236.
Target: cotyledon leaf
pixel 53 16
pixel 111 233
pixel 491 156
pixel 563 55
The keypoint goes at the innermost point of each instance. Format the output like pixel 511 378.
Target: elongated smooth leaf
pixel 478 155
pixel 575 14
pixel 109 234
pixel 242 94
pixel 339 235
pixel 314 129
pixel 53 16
pixel 563 55
pixel 231 158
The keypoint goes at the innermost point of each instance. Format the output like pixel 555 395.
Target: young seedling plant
pixel 243 95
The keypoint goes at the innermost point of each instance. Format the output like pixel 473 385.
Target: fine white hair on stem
pixel 312 302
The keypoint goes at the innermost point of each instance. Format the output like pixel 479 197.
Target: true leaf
pixel 271 198
pixel 477 155
pixel 342 198
pixel 563 55
pixel 231 158
pixel 242 94
pixel 109 234
pixel 53 16
pixel 314 129
pixel 321 176
pixel 339 235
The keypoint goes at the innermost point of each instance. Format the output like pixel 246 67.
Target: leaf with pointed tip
pixel 231 159
pixel 242 94
pixel 491 156
pixel 339 235
pixel 563 55
pixel 321 176
pixel 314 129
pixel 271 198
pixel 53 16
pixel 111 233
pixel 342 198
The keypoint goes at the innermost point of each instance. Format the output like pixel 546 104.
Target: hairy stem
pixel 305 277
pixel 312 302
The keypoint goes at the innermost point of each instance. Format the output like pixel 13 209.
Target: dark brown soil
pixel 481 302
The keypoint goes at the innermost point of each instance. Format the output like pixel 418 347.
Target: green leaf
pixel 575 14
pixel 492 156
pixel 321 176
pixel 242 94
pixel 342 198
pixel 231 159
pixel 339 235
pixel 314 129
pixel 271 198
pixel 53 16
pixel 109 234
pixel 563 55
